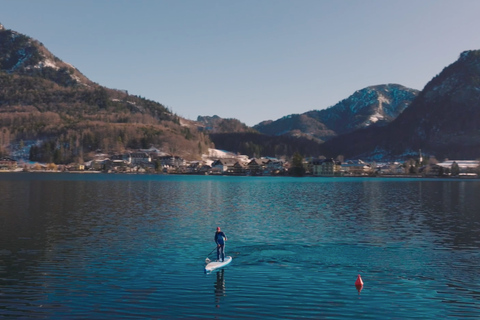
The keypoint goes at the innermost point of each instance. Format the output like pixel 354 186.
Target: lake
pixel 99 246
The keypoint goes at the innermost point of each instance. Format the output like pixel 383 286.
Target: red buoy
pixel 359 284
pixel 359 281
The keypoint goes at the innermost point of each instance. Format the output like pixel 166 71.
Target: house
pixel 75 167
pixel 238 169
pixel 393 168
pixel 356 168
pixel 197 167
pixel 257 167
pixel 171 161
pixel 117 165
pixel 97 164
pixel 8 164
pixel 136 158
pixel 274 166
pixel 225 166
pixel 193 167
pixel 122 157
pixel 325 167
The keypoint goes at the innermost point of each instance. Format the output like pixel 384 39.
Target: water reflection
pixel 219 287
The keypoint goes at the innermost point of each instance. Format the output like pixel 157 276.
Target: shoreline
pixel 468 177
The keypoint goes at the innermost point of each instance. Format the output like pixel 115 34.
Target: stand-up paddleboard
pixel 217 264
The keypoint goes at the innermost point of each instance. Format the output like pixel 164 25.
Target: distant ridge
pixel 49 103
pixel 215 124
pixel 443 121
pixel 371 106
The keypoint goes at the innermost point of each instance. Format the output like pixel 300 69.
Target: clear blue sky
pixel 251 60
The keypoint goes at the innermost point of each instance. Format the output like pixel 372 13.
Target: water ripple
pixel 128 247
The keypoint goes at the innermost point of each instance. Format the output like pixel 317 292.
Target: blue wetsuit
pixel 220 238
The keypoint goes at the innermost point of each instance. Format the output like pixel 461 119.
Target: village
pixel 218 162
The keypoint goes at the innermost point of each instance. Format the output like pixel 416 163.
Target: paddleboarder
pixel 220 239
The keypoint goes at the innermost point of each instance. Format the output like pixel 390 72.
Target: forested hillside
pixel 235 136
pixel 257 144
pixel 45 100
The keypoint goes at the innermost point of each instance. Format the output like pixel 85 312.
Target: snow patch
pixel 76 78
pixel 383 99
pixel 376 117
pixel 47 63
pixel 217 153
pixel 222 154
pixel 70 65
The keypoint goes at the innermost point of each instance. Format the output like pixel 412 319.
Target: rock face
pixel 372 106
pixel 444 120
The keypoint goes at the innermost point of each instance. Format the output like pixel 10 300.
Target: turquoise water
pixel 77 246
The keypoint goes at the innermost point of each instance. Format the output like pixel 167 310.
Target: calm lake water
pixel 78 246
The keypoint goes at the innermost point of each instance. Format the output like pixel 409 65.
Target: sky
pixel 252 60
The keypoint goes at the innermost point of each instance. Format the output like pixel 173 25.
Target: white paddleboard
pixel 216 265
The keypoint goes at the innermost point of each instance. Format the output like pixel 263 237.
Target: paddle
pixel 208 260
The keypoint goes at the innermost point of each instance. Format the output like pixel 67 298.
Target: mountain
pixel 304 133
pixel 235 136
pixel 371 106
pixel 375 105
pixel 23 55
pixel 443 121
pixel 49 103
pixel 215 124
pixel 51 106
pixel 296 125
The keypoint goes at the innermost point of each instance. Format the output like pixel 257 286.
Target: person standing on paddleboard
pixel 220 239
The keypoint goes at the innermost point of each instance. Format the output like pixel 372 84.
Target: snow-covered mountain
pixel 375 105
pixel 443 121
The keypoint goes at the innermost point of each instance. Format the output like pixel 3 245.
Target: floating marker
pixel 359 284
pixel 359 281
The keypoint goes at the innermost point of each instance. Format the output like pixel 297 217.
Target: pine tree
pixel 297 165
